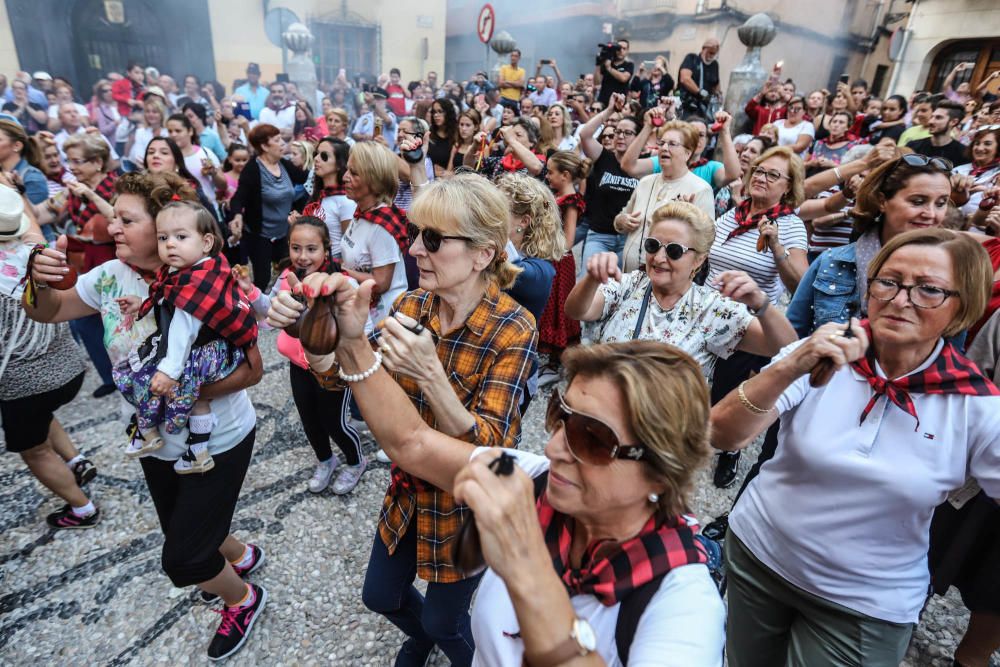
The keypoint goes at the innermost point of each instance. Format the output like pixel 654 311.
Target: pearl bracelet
pixel 361 376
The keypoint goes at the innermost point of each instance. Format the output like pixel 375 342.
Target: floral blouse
pixel 703 323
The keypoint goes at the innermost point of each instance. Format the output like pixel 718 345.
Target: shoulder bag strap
pixel 629 613
pixel 642 310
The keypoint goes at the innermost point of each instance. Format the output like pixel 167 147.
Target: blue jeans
pixel 597 242
pixel 441 618
pixel 89 330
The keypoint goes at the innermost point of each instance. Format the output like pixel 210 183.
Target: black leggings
pixel 261 251
pixel 325 414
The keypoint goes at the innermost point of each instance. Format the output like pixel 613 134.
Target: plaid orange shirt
pixel 488 360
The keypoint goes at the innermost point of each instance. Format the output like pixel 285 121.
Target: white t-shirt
pixel 366 246
pixel 123 335
pixel 332 211
pixel 683 624
pixel 983 180
pixel 193 164
pixel 283 119
pixel 787 136
pixel 703 323
pixel 740 253
pixel 843 510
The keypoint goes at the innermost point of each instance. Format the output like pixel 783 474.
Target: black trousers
pixel 261 251
pixel 325 415
pixel 196 511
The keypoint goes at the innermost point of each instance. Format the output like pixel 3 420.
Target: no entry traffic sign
pixel 485 23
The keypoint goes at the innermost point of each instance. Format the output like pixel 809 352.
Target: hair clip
pixel 175 197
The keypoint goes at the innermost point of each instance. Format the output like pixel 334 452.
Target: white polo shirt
pixel 843 510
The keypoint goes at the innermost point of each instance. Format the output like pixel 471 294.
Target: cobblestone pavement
pixel 99 597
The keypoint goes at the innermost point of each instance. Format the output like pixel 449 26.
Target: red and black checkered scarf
pixel 393 220
pixel 745 222
pixel 572 199
pixel 611 570
pixel 315 207
pixel 976 172
pixel 208 292
pixel 951 373
pixel 82 210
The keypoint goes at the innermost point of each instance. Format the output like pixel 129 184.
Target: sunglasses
pixel 432 239
pixel 324 156
pixel 674 250
pixel 918 160
pixel 588 439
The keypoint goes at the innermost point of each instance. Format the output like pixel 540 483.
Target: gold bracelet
pixel 746 401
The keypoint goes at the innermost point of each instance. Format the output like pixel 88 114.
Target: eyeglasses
pixel 588 439
pixel 412 135
pixel 674 250
pixel 77 163
pixel 671 144
pixel 432 239
pixel 768 176
pixel 624 133
pixel 921 296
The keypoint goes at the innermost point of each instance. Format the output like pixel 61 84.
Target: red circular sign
pixel 485 23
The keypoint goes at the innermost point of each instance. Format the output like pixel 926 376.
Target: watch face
pixel 584 634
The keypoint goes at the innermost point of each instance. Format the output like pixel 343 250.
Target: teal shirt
pixel 705 172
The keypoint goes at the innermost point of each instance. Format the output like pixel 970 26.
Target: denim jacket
pixel 825 291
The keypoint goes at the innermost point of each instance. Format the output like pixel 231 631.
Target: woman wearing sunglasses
pixel 827 547
pixel 330 202
pixel 627 438
pixel 661 302
pixel 464 370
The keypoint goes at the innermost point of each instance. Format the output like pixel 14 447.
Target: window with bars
pixel 351 46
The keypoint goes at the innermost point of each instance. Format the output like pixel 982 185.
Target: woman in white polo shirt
pixel 827 547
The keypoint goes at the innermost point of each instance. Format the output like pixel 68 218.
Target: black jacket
pixel 247 199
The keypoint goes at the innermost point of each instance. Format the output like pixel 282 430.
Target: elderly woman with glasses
pixel 660 301
pixel 881 419
pixel 595 561
pixel 461 349
pixel 678 142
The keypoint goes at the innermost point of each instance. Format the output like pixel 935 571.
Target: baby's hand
pixel 242 277
pixel 129 305
pixel 162 384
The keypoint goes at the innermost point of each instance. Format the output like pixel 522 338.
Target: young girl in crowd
pixel 204 325
pixel 236 158
pixel 556 331
pixel 325 414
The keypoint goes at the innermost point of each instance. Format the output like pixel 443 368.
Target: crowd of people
pixel 823 280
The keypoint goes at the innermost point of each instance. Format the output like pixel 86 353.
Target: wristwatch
pixel 757 312
pixel 581 641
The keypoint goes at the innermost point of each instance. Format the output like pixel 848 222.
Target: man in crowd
pixel 543 95
pixel 169 87
pixel 72 123
pixel 766 106
pixel 920 115
pixel 251 91
pixel 278 111
pixel 613 75
pixel 699 78
pixel 859 93
pixel 192 93
pixel 944 119
pixel 512 80
pixel 364 127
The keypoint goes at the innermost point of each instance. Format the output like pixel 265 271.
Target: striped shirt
pixel 740 253
pixel 831 236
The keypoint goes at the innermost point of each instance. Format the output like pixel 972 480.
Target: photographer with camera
pixel 699 80
pixel 613 72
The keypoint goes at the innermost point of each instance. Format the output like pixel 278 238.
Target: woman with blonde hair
pixel 563 138
pixel 337 122
pixel 461 350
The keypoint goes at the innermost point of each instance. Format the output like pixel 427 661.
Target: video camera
pixel 607 51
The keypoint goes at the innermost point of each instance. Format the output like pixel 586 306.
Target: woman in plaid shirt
pixel 464 374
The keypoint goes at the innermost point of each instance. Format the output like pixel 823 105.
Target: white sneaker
pixel 348 478
pixel 382 457
pixel 321 475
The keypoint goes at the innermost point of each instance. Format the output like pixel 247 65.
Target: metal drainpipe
pixel 872 38
pixel 902 50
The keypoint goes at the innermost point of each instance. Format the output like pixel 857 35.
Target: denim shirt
pixel 825 291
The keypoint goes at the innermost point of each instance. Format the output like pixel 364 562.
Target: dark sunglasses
pixel 674 250
pixel 588 439
pixel 918 160
pixel 324 156
pixel 432 239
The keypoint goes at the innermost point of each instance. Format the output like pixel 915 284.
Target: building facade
pixel 84 39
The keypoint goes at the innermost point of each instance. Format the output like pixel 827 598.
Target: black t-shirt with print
pixel 610 84
pixel 608 191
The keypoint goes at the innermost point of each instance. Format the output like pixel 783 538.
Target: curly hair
pixel 543 238
pixel 157 190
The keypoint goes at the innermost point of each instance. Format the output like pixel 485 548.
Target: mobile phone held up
pixel 844 78
pixel 242 109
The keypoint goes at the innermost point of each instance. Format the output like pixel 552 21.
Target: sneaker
pixel 256 560
pixel 382 457
pixel 322 474
pixel 191 462
pixel 84 471
pixel 66 519
pixel 726 469
pixel 349 477
pixel 138 445
pixel 548 376
pixel 236 624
